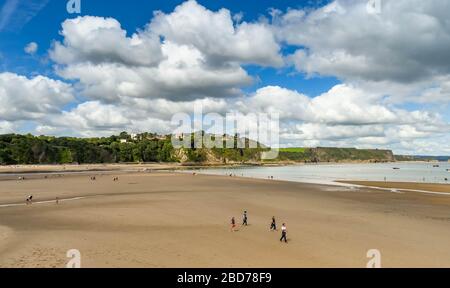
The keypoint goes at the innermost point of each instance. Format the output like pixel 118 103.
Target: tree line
pixel 29 149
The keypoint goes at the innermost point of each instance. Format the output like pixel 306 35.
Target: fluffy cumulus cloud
pixel 407 41
pixel 217 37
pixel 23 98
pixel 102 40
pixel 200 55
pixel 344 116
pixel 341 105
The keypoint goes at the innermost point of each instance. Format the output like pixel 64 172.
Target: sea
pixel 419 172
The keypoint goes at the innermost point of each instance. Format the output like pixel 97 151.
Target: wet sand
pixel 164 219
pixel 404 186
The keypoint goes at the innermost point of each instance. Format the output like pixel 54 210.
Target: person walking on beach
pixel 245 219
pixel 283 233
pixel 273 225
pixel 233 224
pixel 30 199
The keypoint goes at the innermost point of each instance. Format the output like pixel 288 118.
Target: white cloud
pixel 102 40
pixel 406 42
pixel 341 105
pixel 109 66
pixel 23 98
pixel 31 48
pixel 344 116
pixel 6 127
pixel 216 36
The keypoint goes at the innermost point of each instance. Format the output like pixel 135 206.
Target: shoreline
pixel 433 188
pixel 103 167
pixel 54 171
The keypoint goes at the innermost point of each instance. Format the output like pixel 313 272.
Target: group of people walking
pixel 273 226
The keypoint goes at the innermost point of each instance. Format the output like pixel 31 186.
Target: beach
pixel 168 219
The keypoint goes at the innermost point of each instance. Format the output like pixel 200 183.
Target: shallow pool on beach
pixel 328 173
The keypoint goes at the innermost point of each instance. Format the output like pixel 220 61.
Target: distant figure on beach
pixel 245 219
pixel 116 179
pixel 283 233
pixel 29 199
pixel 57 200
pixel 273 225
pixel 233 224
pixel 93 178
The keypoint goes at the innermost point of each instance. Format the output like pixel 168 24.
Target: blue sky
pixel 338 74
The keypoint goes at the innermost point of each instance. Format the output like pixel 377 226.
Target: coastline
pixel 104 167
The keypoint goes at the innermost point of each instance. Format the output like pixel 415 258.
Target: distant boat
pixel 396 168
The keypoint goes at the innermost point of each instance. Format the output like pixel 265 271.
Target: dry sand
pixel 166 219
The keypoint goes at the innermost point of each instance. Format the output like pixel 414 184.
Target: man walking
pixel 273 225
pixel 283 233
pixel 245 219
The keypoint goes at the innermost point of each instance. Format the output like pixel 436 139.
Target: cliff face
pixel 332 154
pixel 308 155
pixel 353 154
pixel 217 156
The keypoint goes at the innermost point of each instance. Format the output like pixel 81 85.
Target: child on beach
pixel 233 224
pixel 283 233
pixel 30 199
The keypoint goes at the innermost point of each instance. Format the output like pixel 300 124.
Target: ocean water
pixel 328 173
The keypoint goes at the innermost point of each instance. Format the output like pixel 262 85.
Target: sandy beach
pixel 36 169
pixel 165 219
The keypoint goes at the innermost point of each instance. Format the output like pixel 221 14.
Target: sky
pixel 339 73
